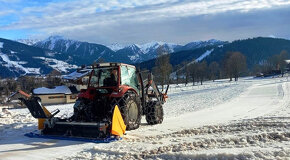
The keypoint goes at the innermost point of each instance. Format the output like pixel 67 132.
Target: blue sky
pixel 140 21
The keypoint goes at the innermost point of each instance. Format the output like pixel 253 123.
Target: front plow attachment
pixel 66 129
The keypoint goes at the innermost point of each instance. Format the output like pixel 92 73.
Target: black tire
pixel 131 110
pixel 154 113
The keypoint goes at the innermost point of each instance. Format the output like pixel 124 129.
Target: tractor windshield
pixel 129 77
pixel 104 77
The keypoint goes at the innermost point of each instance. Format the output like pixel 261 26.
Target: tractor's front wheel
pixel 130 107
pixel 154 113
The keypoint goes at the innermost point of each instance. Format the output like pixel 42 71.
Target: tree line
pixel 274 64
pixel 232 66
pixel 27 83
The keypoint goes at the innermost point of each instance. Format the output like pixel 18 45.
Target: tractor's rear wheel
pixel 130 107
pixel 154 113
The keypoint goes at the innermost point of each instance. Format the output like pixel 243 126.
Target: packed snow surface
pixel 248 119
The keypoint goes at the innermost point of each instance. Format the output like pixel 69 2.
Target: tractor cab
pixel 111 79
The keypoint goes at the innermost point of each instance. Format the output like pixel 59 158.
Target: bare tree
pixel 236 64
pixel 227 65
pixel 9 86
pixel 214 70
pixel 282 61
pixel 163 67
pixel 278 62
pixel 178 72
pixel 202 71
pixel 193 68
pixel 186 71
pixel 54 78
pixel 27 83
pixel 274 62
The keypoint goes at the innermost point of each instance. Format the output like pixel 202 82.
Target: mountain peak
pixel 214 41
pixel 56 37
pixel 147 47
pixel 116 46
pixel 199 44
pixel 29 42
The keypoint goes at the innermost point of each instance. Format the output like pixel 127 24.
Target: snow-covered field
pixel 249 119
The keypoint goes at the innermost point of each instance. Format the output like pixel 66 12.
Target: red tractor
pixel 109 84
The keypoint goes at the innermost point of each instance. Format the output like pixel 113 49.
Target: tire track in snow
pixel 258 132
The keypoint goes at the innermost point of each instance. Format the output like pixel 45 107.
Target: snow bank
pixel 184 99
pixel 55 90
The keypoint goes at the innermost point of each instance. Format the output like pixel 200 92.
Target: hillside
pixel 179 57
pixel 78 52
pixel 19 59
pixel 256 50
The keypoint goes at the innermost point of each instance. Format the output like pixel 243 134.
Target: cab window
pixel 129 77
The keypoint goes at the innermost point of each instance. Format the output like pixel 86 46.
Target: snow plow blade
pixel 76 129
pixel 50 126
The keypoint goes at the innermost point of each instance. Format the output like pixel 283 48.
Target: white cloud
pixel 68 17
pixel 6 12
pixel 9 1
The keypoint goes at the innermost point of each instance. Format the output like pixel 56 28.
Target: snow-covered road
pixel 245 120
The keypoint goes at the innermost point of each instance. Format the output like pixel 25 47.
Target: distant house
pixel 288 65
pixel 76 81
pixel 56 95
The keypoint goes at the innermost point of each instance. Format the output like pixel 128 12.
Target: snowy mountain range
pixel 199 44
pixel 29 42
pixel 24 57
pixel 134 53
pixel 18 59
pixel 139 53
pixel 171 47
pixel 256 50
